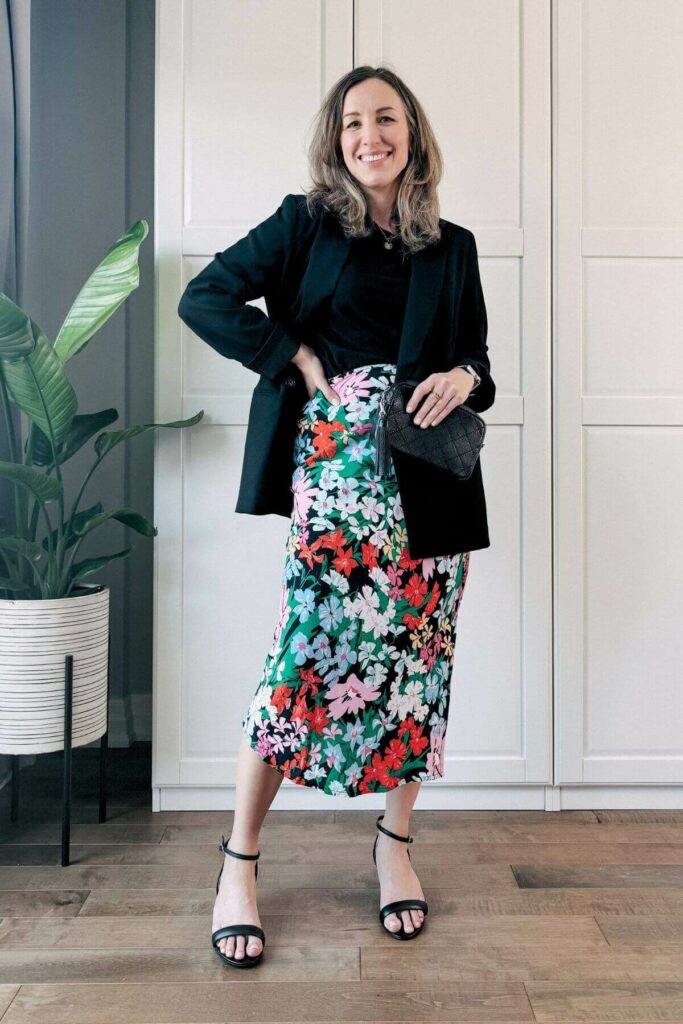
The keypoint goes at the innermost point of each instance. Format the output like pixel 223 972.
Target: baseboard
pixel 435 796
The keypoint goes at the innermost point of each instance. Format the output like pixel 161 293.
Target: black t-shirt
pixel 364 319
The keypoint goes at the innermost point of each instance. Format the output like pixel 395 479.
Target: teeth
pixel 371 159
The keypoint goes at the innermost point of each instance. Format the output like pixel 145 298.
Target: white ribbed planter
pixel 35 637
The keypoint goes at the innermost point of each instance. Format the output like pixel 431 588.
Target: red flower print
pixel 433 600
pixel 300 758
pixel 415 590
pixel 370 553
pixel 333 540
pixel 300 710
pixel 323 442
pixel 306 552
pixel 345 562
pixel 281 698
pixel 377 772
pixel 395 754
pixel 411 621
pixel 317 719
pixel 406 562
pixel 417 740
pixel 310 681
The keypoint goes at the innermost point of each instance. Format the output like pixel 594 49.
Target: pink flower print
pixel 435 756
pixel 428 567
pixel 304 495
pixel 352 385
pixel 350 696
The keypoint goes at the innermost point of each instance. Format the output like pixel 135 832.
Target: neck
pixel 380 205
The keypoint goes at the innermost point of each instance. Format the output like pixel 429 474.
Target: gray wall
pixel 92 177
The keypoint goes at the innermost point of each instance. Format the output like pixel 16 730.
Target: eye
pixel 384 117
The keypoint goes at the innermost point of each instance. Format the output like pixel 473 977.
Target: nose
pixel 371 135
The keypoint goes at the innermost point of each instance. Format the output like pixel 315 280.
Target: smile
pixel 375 157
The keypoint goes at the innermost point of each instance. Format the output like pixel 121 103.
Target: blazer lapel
pixel 329 253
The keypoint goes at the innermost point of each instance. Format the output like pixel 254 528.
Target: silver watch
pixel 470 369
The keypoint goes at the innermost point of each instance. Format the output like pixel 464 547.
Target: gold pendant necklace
pixel 387 243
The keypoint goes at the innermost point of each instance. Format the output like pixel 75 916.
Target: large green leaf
pixel 90 565
pixel 73 534
pixel 82 429
pixel 40 378
pixel 28 548
pixel 127 516
pixel 102 294
pixel 16 336
pixel 13 585
pixel 110 438
pixel 45 488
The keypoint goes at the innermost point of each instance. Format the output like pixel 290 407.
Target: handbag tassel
pixel 382 454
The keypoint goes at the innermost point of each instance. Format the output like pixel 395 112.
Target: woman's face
pixel 374 122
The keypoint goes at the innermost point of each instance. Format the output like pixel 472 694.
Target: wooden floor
pixel 573 916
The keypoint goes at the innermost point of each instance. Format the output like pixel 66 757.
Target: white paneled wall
pixel 619 394
pixel 567 655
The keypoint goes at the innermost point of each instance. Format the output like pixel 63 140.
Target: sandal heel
pixel 398 905
pixel 237 929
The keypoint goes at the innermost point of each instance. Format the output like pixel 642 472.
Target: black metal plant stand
pixel 67 760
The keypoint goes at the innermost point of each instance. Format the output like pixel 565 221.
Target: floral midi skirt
pixel 355 690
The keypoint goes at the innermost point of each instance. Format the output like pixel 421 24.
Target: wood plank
pixel 42 902
pixel 298 843
pixel 606 1001
pixel 450 820
pixel 606 876
pixel 27 833
pixel 7 994
pixel 649 930
pixel 323 901
pixel 427 962
pixel 664 815
pixel 273 856
pixel 152 966
pixel 500 1002
pixel 342 929
pixel 280 876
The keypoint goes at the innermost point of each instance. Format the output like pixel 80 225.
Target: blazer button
pixel 290 382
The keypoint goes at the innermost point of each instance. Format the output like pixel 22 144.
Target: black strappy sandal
pixel 237 929
pixel 399 905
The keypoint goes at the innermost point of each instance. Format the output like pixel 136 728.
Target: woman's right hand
pixel 313 373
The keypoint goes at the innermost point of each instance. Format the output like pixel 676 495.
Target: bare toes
pixel 407 923
pixel 392 923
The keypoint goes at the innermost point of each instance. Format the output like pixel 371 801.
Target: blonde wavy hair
pixel 416 210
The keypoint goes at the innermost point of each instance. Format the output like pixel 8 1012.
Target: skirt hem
pixel 344 791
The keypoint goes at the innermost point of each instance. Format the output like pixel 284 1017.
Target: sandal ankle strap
pixel 224 848
pixel 404 839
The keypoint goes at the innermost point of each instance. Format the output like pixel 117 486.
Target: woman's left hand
pixel 440 393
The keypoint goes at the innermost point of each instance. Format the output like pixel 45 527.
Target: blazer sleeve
pixel 472 332
pixel 214 303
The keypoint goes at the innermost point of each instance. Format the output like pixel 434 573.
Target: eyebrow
pixel 354 113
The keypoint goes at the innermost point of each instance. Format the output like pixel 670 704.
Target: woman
pixel 355 691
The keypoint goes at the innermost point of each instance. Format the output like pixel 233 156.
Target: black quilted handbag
pixel 453 444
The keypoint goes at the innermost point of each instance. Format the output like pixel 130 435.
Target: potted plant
pixel 49 612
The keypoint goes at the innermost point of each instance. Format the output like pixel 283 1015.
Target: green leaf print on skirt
pixel 355 690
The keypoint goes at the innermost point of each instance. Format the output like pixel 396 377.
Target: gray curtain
pixel 15 119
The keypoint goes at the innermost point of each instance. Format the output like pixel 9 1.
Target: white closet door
pixel 482 71
pixel 238 85
pixel 619 397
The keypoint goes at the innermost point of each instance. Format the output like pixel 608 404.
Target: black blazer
pixel 294 260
